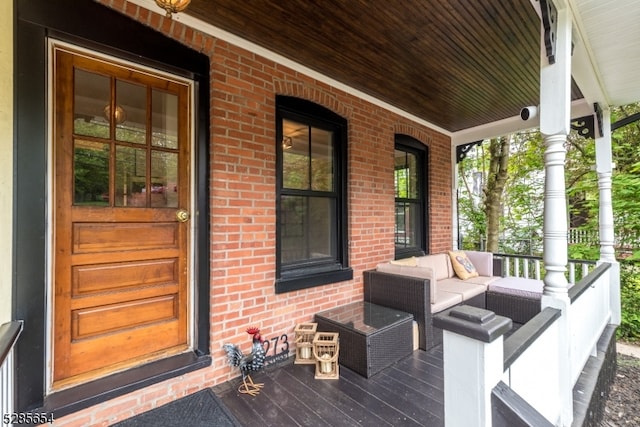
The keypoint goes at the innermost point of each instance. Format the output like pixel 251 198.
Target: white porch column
pixel 555 118
pixel 604 168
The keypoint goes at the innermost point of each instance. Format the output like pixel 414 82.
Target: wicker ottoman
pixel 515 297
pixel 371 337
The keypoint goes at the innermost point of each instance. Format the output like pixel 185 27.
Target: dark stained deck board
pixel 410 392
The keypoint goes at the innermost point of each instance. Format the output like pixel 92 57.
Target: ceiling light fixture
pixel 173 6
pixel 119 116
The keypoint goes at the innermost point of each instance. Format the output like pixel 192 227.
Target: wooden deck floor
pixel 410 392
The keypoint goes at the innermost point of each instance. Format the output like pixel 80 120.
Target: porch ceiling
pixel 456 64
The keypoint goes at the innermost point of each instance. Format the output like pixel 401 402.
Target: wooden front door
pixel 121 143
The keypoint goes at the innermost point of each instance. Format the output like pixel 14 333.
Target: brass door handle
pixel 183 215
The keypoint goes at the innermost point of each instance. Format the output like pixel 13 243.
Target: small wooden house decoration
pixel 325 353
pixel 304 333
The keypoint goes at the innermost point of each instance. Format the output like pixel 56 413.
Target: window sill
pixel 67 401
pixel 312 280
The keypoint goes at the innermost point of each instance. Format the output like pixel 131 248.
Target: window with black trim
pixel 410 179
pixel 311 162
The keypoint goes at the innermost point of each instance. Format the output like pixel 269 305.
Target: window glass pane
pixel 164 119
pixel 406 175
pixel 407 224
pixel 91 173
pixel 322 230
pixel 130 179
pixel 131 112
pixel 164 179
pixel 307 227
pixel 91 98
pixel 295 155
pixel 321 160
pixel 292 228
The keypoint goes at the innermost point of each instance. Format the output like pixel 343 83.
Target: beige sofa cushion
pixel 445 300
pixel 482 261
pixel 407 270
pixel 405 261
pixel 466 289
pixel 483 280
pixel 439 263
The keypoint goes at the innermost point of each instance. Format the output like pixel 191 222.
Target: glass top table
pixel 371 337
pixel 364 317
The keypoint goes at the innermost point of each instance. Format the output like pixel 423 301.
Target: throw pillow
pixel 412 262
pixel 463 267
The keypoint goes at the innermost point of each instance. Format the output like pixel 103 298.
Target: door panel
pixel 121 257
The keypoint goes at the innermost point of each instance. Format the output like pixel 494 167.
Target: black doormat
pixel 203 408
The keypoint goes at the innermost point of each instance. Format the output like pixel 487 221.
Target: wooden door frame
pixel 92 58
pixel 36 20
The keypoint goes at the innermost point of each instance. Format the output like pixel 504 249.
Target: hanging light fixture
pixel 173 6
pixel 119 116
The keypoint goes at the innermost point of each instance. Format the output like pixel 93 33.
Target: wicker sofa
pixel 429 287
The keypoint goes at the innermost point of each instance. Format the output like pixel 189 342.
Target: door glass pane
pixel 164 116
pixel 164 179
pixel 130 179
pixel 295 155
pixel 321 160
pixel 90 99
pixel 90 173
pixel 131 112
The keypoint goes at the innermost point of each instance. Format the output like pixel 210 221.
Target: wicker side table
pixel 371 337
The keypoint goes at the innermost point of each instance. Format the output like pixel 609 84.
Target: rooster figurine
pixel 247 363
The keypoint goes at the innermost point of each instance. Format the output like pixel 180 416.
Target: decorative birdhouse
pixel 304 333
pixel 325 353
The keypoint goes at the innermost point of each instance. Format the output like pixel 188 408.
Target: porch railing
pixel 533 373
pixel 541 361
pixel 532 267
pixel 9 333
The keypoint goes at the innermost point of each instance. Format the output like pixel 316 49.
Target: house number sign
pixel 278 351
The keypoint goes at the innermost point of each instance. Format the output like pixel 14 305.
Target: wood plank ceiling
pixel 456 64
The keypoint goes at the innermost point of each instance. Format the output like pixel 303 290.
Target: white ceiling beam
pixel 584 67
pixel 579 108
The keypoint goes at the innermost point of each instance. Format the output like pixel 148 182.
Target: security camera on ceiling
pixel 528 113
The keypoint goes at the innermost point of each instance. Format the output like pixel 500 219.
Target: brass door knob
pixel 183 215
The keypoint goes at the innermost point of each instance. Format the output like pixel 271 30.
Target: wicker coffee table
pixel 371 337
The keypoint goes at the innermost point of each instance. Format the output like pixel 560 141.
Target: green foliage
pixel 91 174
pixel 584 251
pixel 473 223
pixel 629 329
pixel 523 203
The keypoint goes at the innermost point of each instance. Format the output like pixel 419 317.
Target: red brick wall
pixel 243 90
